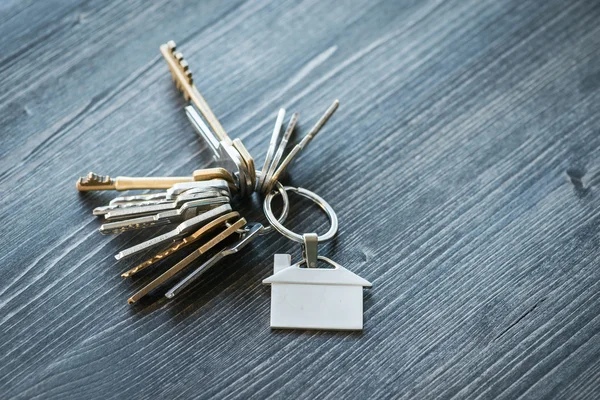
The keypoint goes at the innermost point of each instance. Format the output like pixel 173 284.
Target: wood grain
pixel 462 163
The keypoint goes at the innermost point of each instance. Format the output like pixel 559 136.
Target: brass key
pixel 194 237
pixel 165 276
pixel 104 182
pixel 182 75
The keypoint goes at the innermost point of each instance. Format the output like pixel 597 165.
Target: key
pixel 93 182
pixel 244 240
pixel 165 276
pixel 225 154
pixel 309 136
pixel 175 190
pixel 182 229
pixel 194 237
pixel 187 211
pixel 182 75
pixel 191 209
pixel 133 204
pixel 138 210
pixel 144 222
pixel 268 176
pixel 138 198
pixel 272 145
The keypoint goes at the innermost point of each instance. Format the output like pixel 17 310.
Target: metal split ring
pixel 309 195
pixel 284 212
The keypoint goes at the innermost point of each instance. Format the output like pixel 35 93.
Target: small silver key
pixel 182 229
pixel 245 239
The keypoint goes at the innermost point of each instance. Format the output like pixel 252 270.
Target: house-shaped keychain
pixel 315 298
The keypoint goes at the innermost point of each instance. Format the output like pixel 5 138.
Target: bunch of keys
pixel 304 296
pixel 198 206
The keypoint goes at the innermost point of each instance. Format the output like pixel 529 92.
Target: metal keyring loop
pixel 284 212
pixel 311 196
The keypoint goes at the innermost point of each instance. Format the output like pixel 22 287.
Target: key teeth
pixel 95 180
pixel 172 46
pixel 184 66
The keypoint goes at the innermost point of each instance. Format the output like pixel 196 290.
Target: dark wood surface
pixel 463 163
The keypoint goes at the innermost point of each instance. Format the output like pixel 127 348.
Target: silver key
pixel 182 229
pixel 191 209
pixel 271 150
pixel 246 238
pixel 224 153
pixel 268 175
pixel 161 200
pixel 185 212
pixel 303 143
pixel 178 188
pixel 148 209
pixel 132 204
pixel 138 198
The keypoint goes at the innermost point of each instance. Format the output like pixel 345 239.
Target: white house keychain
pixel 304 296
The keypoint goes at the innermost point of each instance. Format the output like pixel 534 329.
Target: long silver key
pixel 245 239
pixel 135 204
pixel 185 212
pixel 168 195
pixel 272 145
pixel 268 175
pixel 305 140
pixel 182 229
pixel 149 209
pixel 226 156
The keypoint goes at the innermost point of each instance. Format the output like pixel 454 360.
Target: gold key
pixel 194 237
pixel 164 277
pixel 104 182
pixel 182 75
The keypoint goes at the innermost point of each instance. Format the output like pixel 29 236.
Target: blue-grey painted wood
pixel 463 164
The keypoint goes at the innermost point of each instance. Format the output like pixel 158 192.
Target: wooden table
pixel 463 164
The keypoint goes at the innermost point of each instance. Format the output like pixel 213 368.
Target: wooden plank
pixel 462 163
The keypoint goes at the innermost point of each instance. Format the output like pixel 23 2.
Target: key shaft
pixel 183 78
pixel 164 277
pixel 182 243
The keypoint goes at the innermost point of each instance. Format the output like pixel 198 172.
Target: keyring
pixel 309 195
pixel 284 212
